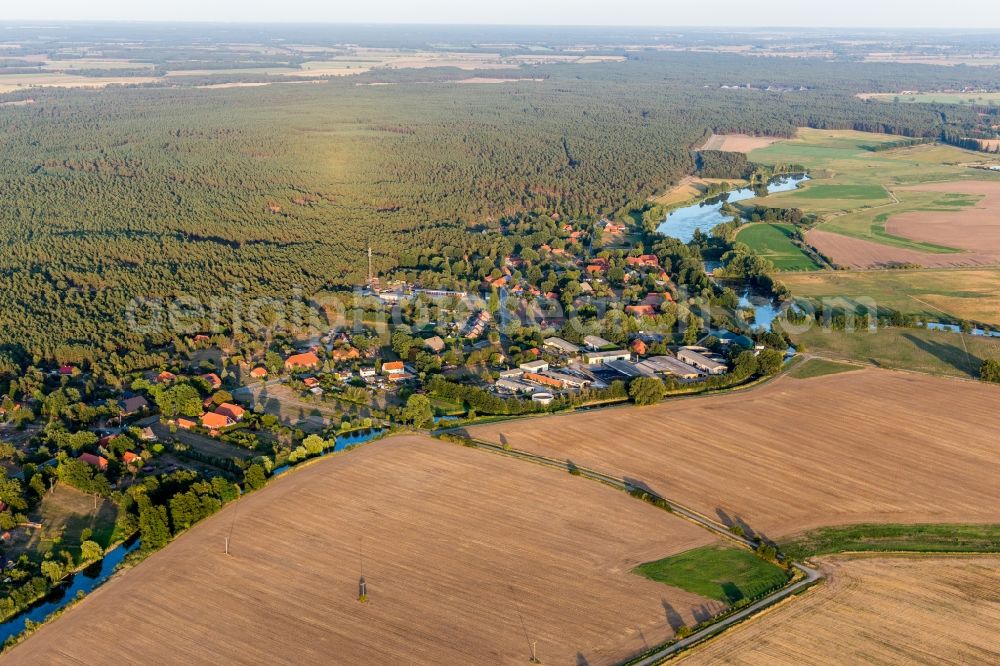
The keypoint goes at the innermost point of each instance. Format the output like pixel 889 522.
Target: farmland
pixel 865 446
pixel 723 573
pixel 773 242
pixel 459 549
pixel 907 205
pixel 887 610
pixel 967 294
pixel 932 352
pixel 968 99
pixel 737 143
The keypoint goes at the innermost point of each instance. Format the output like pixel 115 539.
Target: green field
pixel 854 190
pixel 723 573
pixel 932 352
pixel 773 241
pixel 968 99
pixel 819 367
pixel 911 538
pixel 936 294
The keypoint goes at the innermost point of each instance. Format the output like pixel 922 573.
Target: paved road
pixel 810 577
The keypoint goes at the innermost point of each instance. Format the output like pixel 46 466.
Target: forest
pixel 146 192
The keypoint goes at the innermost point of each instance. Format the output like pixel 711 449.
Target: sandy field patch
pixel 866 446
pixel 976 229
pixel 877 610
pixel 860 253
pixel 459 546
pixel 485 79
pixel 13 82
pixel 738 143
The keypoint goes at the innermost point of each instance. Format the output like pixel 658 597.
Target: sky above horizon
pixel 774 13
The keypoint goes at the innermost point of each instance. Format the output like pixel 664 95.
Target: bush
pixel 989 371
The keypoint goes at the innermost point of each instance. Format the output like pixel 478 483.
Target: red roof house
pixel 228 409
pixel 213 380
pixel 214 420
pixel 258 373
pixel 100 462
pixel 302 361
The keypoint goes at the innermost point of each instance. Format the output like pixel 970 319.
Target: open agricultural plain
pixel 876 610
pixel 881 206
pixel 468 557
pixel 868 446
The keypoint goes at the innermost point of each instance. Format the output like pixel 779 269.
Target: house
pixel 435 344
pixel 147 435
pixel 400 377
pixel 345 354
pixel 643 261
pixel 698 357
pixel 543 380
pixel 104 441
pixel 214 421
pixel 130 458
pixel 638 347
pixel 367 373
pixel 513 385
pixel 201 337
pixel 165 377
pixel 534 366
pixel 185 424
pixel 231 411
pixel 66 370
pixel 98 462
pixel 728 338
pixel 641 310
pixel 600 358
pixel 134 405
pixel 213 380
pixel 302 361
pixel 310 382
pixel 626 368
pixel 258 373
pixel 594 342
pixel 561 346
pixel 570 381
pixel 393 368
pixel 668 365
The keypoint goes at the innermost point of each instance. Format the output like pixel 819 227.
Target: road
pixel 810 575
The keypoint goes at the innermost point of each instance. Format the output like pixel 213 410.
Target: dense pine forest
pixel 160 192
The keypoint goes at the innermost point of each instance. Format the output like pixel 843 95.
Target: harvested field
pixel 877 610
pixel 459 546
pixel 975 229
pixel 738 143
pixel 972 293
pixel 853 252
pixel 858 447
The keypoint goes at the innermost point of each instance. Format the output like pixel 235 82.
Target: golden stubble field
pixel 796 454
pixel 738 143
pixel 468 556
pixel 876 610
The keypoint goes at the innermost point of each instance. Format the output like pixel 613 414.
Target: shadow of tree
pixel 952 355
pixel 674 619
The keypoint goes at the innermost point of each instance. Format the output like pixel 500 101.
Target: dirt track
pixel 863 446
pixel 895 610
pixel 458 544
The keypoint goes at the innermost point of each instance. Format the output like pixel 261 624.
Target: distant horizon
pixel 650 14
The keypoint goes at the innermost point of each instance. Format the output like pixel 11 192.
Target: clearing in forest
pixel 868 446
pixel 737 143
pixel 469 557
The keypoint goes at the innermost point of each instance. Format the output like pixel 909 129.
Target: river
pixel 85 580
pixel 704 216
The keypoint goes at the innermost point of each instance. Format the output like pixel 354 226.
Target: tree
pixel 646 390
pixel 769 361
pixel 154 530
pixel 90 551
pixel 314 445
pixel 254 477
pixel 989 371
pixel 745 365
pixel 418 411
pixel 52 570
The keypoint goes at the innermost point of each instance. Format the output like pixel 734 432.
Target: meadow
pixel 468 557
pixel 718 572
pixel 971 294
pixel 967 99
pixel 773 242
pixel 932 352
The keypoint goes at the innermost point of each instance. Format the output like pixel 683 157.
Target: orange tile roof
pixel 306 360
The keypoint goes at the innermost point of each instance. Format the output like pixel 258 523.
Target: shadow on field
pixel 953 355
pixel 674 618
